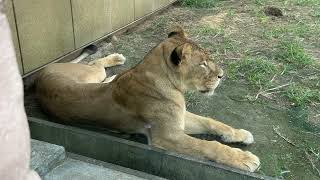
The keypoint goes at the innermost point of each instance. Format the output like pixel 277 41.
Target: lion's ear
pixel 181 53
pixel 175 57
pixel 177 31
pixel 186 51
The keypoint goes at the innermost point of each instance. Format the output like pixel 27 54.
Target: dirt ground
pixel 272 74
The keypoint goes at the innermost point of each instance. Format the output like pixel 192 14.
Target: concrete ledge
pixel 45 156
pixel 133 155
pixel 72 169
pixel 109 166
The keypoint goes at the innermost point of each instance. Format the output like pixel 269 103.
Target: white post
pixel 14 131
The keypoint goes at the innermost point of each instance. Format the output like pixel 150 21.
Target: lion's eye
pixel 204 64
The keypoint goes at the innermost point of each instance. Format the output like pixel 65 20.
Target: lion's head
pixel 192 64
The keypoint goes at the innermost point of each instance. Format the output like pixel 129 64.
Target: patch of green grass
pixel 315 13
pixel 277 32
pixel 297 30
pixel 214 39
pixel 293 54
pixel 207 31
pixel 221 46
pixel 302 95
pixel 258 12
pixel 315 152
pixel 302 30
pixel 264 19
pixel 231 13
pixel 160 22
pixel 306 2
pixel 199 3
pixel 229 44
pixel 260 2
pixel 258 71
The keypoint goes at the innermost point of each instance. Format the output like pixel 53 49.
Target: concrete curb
pixel 134 155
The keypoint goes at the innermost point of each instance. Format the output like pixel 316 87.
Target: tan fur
pixel 147 99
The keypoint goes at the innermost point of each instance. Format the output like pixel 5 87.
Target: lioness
pixel 147 99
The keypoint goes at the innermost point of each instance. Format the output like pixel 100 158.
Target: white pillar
pixel 14 130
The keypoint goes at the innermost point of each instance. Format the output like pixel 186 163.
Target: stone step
pixel 45 156
pixel 53 163
pixel 73 169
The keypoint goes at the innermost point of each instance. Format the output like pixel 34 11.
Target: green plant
pixel 306 2
pixel 277 32
pixel 207 31
pixel 315 13
pixel 199 3
pixel 301 30
pixel 302 95
pixel 258 71
pixel 293 54
pixel 260 2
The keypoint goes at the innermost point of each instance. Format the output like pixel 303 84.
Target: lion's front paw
pixel 245 160
pixel 245 136
pixel 119 58
pixel 239 136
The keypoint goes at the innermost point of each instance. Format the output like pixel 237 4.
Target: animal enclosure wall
pixel 46 30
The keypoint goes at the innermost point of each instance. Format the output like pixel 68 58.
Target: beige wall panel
pixel 45 30
pixel 122 12
pixel 10 14
pixel 143 7
pixel 92 20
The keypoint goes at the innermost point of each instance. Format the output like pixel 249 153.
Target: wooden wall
pixel 45 30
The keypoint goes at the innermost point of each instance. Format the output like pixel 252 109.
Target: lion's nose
pixel 220 73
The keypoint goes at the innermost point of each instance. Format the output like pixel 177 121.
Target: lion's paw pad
pixel 248 137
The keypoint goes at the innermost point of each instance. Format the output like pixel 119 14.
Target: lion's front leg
pixel 195 124
pixel 176 140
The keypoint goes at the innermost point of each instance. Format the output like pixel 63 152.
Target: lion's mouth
pixel 205 91
pixel 208 92
pixel 208 89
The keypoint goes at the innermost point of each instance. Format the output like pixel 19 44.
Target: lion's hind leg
pixel 109 79
pixel 109 61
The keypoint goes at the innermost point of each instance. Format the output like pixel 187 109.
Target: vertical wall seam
pixel 134 10
pixel 73 31
pixel 18 35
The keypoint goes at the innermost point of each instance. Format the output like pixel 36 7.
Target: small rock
pixel 273 11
